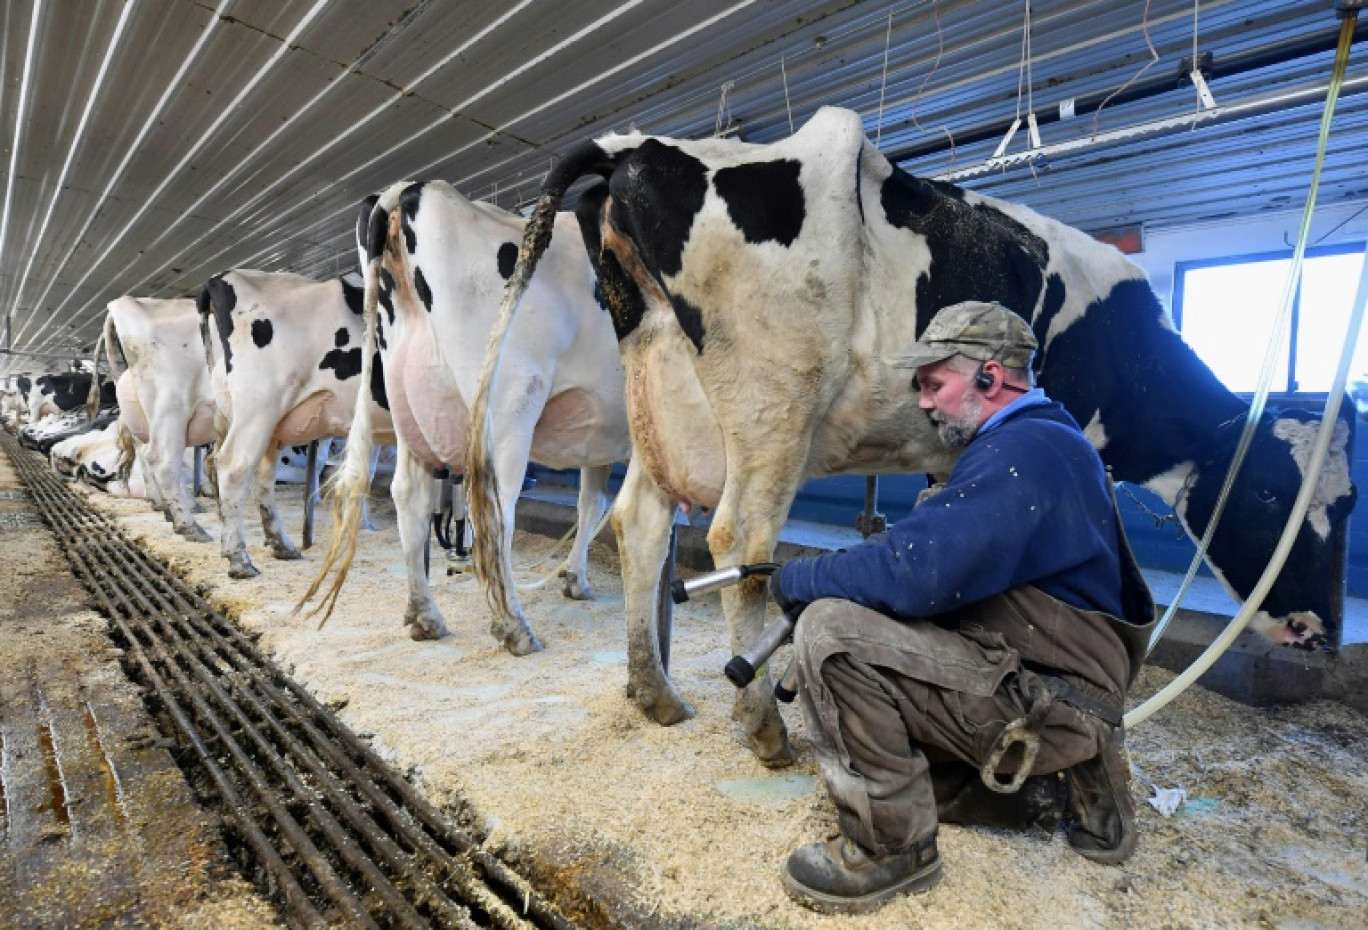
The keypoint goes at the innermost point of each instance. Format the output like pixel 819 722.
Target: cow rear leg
pixel 593 503
pixel 516 409
pixel 167 458
pixel 277 540
pixel 641 519
pixel 745 529
pixel 237 463
pixel 411 489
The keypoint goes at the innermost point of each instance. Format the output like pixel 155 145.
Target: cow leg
pixel 745 529
pixel 593 501
pixel 641 519
pixel 271 525
pixel 151 490
pixel 166 455
pixel 516 412
pixel 411 489
pixel 239 455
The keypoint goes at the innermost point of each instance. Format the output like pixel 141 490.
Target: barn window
pixel 1225 308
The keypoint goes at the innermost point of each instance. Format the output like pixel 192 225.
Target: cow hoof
pixel 772 751
pixel 666 708
pixel 243 570
pixel 419 632
pixel 520 642
pixel 195 533
pixel 573 589
pixel 285 553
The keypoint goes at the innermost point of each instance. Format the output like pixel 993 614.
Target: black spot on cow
pixel 690 320
pixel 977 251
pixel 341 337
pixel 68 390
pixel 386 293
pixel 377 383
pixel 354 295
pixel 657 192
pixel 262 333
pixel 613 288
pixel 409 201
pixel 380 332
pixel 1124 368
pixel 345 363
pixel 219 298
pixel 508 259
pixel 1054 302
pixel 366 226
pixel 859 195
pixel 25 385
pixel 420 285
pixel 284 460
pixel 764 200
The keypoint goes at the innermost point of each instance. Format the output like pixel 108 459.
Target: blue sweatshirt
pixel 1026 504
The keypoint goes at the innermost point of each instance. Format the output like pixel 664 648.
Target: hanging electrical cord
pixel 883 80
pixel 1154 56
pixel 940 52
pixel 1329 420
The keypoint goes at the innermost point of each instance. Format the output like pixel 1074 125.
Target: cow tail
pixel 204 303
pixel 92 404
pixel 128 452
pixel 483 495
pixel 346 491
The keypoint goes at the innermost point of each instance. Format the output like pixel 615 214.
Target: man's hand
pixel 788 605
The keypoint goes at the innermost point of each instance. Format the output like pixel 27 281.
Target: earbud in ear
pixel 982 380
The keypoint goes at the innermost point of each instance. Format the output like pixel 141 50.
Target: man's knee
pixel 820 621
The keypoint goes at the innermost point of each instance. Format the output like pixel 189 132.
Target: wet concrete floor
pixel 99 827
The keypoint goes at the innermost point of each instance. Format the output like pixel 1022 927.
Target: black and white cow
pixel 286 357
pixel 437 262
pixel 755 291
pixel 63 392
pixel 157 367
pixel 14 391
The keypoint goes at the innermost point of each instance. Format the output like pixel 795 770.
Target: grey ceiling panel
pixel 148 144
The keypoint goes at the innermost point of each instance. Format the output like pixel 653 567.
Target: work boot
pixel 962 798
pixel 1101 805
pixel 839 877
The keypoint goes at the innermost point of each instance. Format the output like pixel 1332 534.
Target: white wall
pixel 1267 233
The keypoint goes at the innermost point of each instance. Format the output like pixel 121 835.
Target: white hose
pixel 1329 420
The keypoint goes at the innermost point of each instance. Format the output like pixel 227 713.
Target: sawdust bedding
pixel 681 827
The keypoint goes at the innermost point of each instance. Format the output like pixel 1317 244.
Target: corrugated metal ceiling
pixel 151 143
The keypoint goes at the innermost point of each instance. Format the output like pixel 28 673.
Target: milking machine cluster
pixel 742 668
pixel 449 518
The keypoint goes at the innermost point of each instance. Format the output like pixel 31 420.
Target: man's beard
pixel 958 432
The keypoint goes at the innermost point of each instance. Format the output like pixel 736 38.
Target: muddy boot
pixel 839 877
pixel 962 798
pixel 1100 803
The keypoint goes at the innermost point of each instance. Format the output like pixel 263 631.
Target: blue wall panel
pixel 1158 543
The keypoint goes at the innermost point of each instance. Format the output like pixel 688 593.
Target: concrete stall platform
pixel 1252 670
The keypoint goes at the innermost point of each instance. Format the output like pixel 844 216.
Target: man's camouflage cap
pixel 974 329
